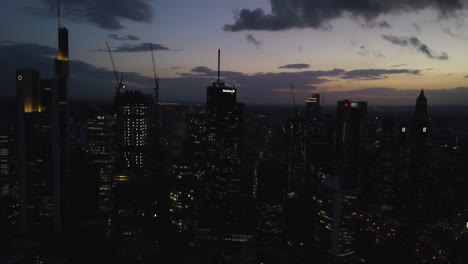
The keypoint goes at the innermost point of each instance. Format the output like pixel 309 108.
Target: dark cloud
pixel 398 65
pixel 376 74
pixel 466 76
pixel 251 39
pixel 365 51
pixel 125 38
pixel 416 44
pixel 175 67
pixel 384 24
pixel 296 66
pixel 372 23
pixel 135 48
pixel 107 14
pixel 416 27
pixel 318 13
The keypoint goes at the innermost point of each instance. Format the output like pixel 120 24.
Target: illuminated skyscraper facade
pixel 101 151
pixel 132 203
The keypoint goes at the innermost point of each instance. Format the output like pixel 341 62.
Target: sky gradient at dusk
pixel 380 51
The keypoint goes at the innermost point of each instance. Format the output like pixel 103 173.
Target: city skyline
pixel 226 180
pixel 382 53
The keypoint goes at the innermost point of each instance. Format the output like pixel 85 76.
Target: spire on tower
pixel 219 63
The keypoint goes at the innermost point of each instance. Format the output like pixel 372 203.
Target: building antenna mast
pixel 219 63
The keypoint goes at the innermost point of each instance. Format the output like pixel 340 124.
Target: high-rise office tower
pixel 420 130
pixel 60 131
pixel 101 151
pixel 350 142
pixel 338 194
pixel 391 166
pixel 335 230
pixel 34 153
pixel 133 200
pixel 318 163
pixel 134 116
pixel 419 178
pixel 270 192
pixel 6 180
pixel 9 183
pixel 224 142
pixel 318 148
pixel 181 201
pixel 295 132
pixel 313 106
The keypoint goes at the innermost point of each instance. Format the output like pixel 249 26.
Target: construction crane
pixel 156 78
pixel 119 83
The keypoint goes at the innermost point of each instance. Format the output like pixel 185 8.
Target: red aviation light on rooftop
pixel 346 104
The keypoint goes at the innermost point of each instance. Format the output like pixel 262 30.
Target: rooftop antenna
pixel 219 63
pixel 58 13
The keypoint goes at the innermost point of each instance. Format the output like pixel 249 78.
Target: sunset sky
pixel 375 50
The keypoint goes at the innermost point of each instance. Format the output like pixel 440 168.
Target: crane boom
pixel 156 78
pixel 118 83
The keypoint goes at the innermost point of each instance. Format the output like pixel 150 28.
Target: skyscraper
pixel 6 180
pixel 34 154
pixel 419 178
pixel 270 192
pixel 224 142
pixel 337 196
pixel 318 164
pixel 60 132
pixel 181 201
pixel 313 106
pixel 132 177
pixel 101 151
pixel 43 138
pixel 350 142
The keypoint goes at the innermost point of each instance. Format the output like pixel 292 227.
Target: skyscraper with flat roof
pixel 133 199
pixel 34 154
pixel 313 106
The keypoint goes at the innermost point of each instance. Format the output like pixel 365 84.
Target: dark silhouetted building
pixel 270 193
pixel 34 155
pixel 224 128
pixel 313 106
pixel 181 201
